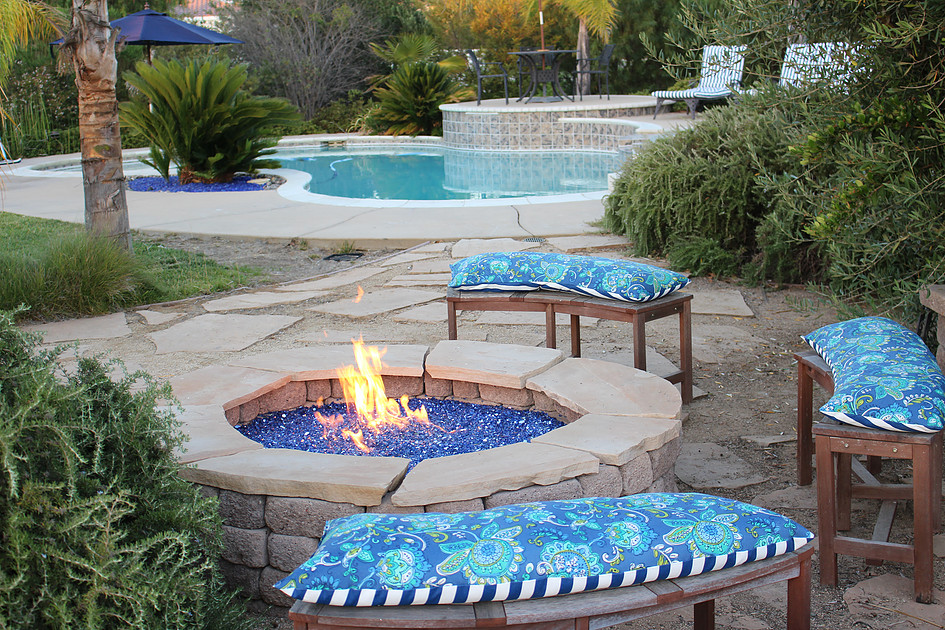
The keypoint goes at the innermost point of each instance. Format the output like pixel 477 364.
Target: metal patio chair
pixel 480 67
pixel 597 66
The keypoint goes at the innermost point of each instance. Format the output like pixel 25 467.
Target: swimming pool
pixel 429 172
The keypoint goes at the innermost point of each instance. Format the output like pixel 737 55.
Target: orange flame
pixel 365 396
pixel 360 295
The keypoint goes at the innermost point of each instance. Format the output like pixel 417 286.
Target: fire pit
pixel 621 436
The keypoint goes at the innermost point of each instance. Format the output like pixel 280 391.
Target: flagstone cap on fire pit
pixel 502 365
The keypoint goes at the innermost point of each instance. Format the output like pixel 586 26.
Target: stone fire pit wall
pixel 622 437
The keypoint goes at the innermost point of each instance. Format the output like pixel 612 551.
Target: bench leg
pixel 575 335
pixel 551 332
pixel 844 490
pixel 703 615
pixel 827 518
pixel 798 598
pixel 685 351
pixel 451 320
pixel 805 419
pixel 924 486
pixel 639 344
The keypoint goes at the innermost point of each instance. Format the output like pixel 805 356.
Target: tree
pixel 20 22
pixel 307 51
pixel 594 16
pixel 90 45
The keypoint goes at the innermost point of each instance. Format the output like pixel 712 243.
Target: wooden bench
pixel 553 302
pixel 582 611
pixel 836 446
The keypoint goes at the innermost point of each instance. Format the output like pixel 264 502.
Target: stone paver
pixel 516 318
pixel 217 384
pixel 377 302
pixel 420 280
pixel 289 473
pixel 570 244
pixel 888 601
pixel 765 441
pixel 592 386
pixel 259 299
pixel 208 434
pixel 434 313
pixel 320 362
pixel 712 342
pixel 720 302
pixel 656 363
pixel 156 318
pixel 503 365
pixel 613 439
pixel 102 327
pixel 432 248
pixel 472 246
pixel 406 257
pixel 707 465
pixel 471 475
pixel 345 278
pixel 373 337
pixel 215 332
pixel 437 265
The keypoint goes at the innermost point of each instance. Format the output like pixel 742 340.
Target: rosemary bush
pixel 98 529
pixel 700 186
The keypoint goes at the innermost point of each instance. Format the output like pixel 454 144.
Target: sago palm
pixel 410 102
pixel 20 22
pixel 200 119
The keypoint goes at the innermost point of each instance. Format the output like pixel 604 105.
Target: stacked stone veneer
pixel 622 437
pixel 559 127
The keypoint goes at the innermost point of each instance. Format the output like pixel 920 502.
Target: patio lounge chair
pixel 479 67
pixel 599 67
pixel 811 64
pixel 5 157
pixel 720 75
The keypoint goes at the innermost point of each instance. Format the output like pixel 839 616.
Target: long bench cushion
pixel 535 550
pixel 884 376
pixel 586 275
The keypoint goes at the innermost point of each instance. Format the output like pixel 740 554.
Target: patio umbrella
pixel 150 28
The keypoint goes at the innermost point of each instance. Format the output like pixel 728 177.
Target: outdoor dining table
pixel 543 68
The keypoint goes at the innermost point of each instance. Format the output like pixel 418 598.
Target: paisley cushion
pixel 587 275
pixel 535 550
pixel 884 376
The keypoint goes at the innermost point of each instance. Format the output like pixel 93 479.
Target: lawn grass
pixel 58 271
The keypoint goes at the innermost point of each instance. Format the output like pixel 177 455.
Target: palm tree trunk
pixel 583 54
pixel 96 72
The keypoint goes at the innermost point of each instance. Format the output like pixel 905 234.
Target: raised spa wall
pixel 591 125
pixel 622 437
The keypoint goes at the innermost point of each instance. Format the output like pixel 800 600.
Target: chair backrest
pixel 806 64
pixel 473 61
pixel 604 60
pixel 722 67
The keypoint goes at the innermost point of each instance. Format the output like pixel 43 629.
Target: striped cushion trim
pixel 545 587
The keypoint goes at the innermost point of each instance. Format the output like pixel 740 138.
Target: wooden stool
pixel 836 444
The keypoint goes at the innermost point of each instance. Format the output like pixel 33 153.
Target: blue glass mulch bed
pixel 240 183
pixel 463 428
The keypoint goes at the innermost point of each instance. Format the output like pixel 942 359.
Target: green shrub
pixel 200 119
pixel 99 530
pixel 703 183
pixel 703 256
pixel 409 103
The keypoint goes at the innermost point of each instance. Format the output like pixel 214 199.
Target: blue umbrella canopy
pixel 150 28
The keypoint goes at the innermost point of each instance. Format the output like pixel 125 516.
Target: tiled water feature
pixel 622 437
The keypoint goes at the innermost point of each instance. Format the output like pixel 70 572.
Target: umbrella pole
pixel 541 26
pixel 147 53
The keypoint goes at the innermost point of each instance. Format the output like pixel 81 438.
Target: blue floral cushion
pixel 884 376
pixel 535 550
pixel 587 275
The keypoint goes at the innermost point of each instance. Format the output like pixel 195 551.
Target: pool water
pixel 438 173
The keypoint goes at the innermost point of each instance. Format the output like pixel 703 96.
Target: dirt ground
pixel 748 374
